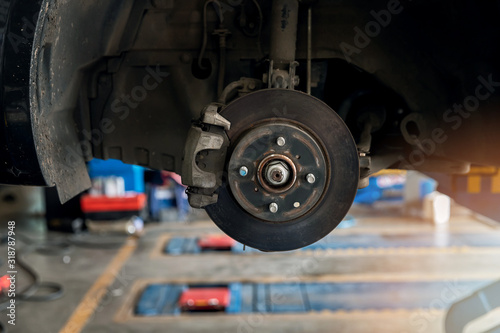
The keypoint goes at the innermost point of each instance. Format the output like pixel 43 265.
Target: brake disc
pixel 292 171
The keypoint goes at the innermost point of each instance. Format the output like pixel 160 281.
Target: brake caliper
pixel 205 156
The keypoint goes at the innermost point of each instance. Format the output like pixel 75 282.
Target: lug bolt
pixel 273 208
pixel 296 205
pixel 281 141
pixel 311 179
pixel 243 171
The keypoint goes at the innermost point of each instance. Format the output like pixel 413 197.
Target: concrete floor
pixel 103 285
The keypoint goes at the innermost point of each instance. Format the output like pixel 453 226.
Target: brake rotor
pixel 292 173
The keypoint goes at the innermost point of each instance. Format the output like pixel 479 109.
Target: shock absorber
pixel 284 23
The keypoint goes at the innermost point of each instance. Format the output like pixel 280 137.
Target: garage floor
pixel 438 265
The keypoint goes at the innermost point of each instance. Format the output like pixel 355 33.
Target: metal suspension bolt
pixel 243 171
pixel 311 179
pixel 281 141
pixel 273 208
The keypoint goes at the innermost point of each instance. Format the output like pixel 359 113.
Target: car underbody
pixel 273 112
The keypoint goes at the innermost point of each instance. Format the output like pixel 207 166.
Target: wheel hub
pixel 277 174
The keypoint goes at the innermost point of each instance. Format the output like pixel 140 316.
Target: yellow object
pixel 386 172
pixel 495 183
pixel 483 170
pixel 474 184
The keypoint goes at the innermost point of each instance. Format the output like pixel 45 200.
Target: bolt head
pixel 243 171
pixel 296 205
pixel 281 141
pixel 311 179
pixel 273 208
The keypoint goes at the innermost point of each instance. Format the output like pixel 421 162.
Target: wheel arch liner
pixel 65 43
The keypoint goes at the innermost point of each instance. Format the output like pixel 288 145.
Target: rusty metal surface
pixel 301 153
pixel 280 105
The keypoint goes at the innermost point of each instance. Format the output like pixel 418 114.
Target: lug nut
pixel 311 179
pixel 243 171
pixel 281 141
pixel 273 208
pixel 277 173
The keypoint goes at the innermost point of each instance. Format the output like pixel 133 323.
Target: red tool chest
pixel 109 208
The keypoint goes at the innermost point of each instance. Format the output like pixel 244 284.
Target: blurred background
pixel 130 255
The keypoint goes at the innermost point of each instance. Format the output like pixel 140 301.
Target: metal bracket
pixel 211 116
pixel 204 157
pixel 365 164
pixel 279 78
